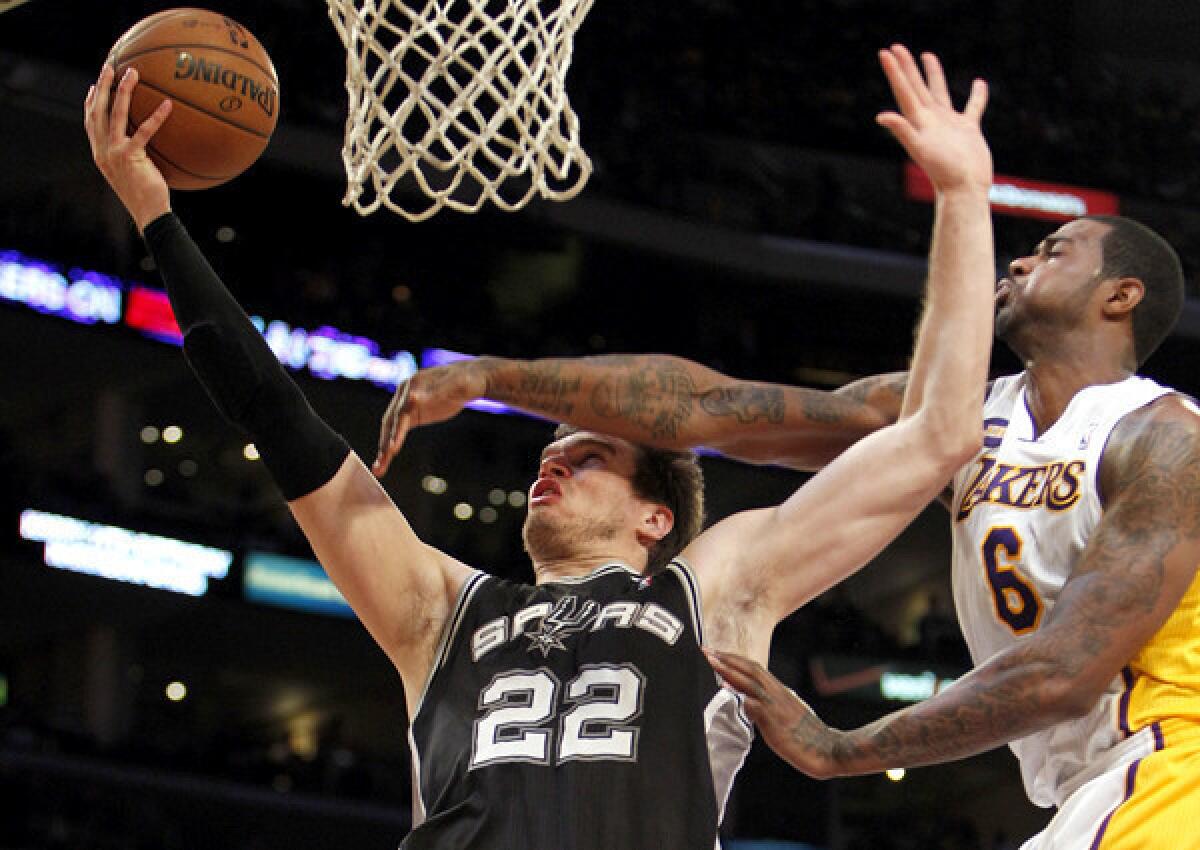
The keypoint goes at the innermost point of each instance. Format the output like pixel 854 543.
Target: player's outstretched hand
pixel 785 721
pixel 429 396
pixel 949 145
pixel 122 158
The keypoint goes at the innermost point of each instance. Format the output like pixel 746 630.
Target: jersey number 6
pixel 520 707
pixel 1017 603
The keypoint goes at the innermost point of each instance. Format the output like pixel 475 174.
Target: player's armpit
pixel 401 588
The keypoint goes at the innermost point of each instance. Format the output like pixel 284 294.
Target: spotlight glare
pixel 176 691
pixel 895 774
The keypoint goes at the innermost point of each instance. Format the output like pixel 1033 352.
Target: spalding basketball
pixel 222 83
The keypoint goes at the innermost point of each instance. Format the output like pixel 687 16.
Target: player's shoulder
pixel 1161 437
pixel 1172 412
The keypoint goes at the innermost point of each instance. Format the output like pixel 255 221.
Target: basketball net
pixel 466 98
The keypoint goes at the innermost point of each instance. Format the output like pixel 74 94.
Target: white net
pixel 465 99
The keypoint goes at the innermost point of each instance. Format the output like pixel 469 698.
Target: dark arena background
pixel 745 211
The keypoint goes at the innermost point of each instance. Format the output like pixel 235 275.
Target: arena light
pixel 330 353
pixel 149 312
pixel 912 687
pixel 295 583
pixel 81 296
pixel 1019 196
pixel 119 554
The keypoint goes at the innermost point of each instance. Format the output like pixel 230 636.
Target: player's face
pixel 583 493
pixel 1050 289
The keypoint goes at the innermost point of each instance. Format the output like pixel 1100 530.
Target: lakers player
pixel 1076 534
pixel 556 716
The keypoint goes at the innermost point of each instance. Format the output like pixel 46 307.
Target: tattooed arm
pixel 1138 564
pixel 655 399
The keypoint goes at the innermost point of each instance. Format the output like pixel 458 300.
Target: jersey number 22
pixel 523 720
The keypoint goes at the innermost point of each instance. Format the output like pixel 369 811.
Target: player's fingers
pixel 899 127
pixel 152 123
pixel 936 78
pixel 738 672
pixel 98 109
pixel 118 119
pixel 383 455
pixel 404 423
pixel 977 102
pixel 912 74
pixel 906 100
pixel 387 427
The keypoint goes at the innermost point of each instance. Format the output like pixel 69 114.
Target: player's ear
pixel 657 522
pixel 1123 294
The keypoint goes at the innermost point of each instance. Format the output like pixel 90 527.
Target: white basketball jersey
pixel 1022 514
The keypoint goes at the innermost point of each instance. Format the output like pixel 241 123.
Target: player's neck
pixel 1054 381
pixel 557 569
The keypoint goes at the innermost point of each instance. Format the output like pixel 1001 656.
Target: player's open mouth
pixel 1004 288
pixel 544 490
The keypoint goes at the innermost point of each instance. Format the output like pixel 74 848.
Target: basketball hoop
pixel 466 99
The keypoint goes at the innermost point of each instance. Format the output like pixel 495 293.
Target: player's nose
pixel 1019 267
pixel 554 465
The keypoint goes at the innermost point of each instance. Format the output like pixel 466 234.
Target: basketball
pixel 223 85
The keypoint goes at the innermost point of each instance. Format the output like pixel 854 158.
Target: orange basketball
pixel 224 88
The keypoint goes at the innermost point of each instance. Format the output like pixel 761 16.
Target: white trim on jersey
pixel 450 630
pixel 691 589
pixel 418 804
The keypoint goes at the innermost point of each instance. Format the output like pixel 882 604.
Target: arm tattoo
pixel 752 403
pixel 546 387
pixel 654 394
pixel 882 392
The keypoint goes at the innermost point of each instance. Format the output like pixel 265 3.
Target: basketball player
pixel 565 714
pixel 1076 535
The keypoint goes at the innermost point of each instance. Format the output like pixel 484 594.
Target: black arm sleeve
pixel 239 370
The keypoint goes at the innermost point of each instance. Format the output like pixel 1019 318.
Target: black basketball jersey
pixel 574 715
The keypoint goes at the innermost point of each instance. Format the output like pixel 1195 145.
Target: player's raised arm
pixel 653 399
pixel 400 588
pixel 769 562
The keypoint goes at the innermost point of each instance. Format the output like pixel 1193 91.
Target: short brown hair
pixel 671 478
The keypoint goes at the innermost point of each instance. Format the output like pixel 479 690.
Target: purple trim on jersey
pixel 1129 777
pixel 1032 421
pixel 1123 705
pixel 1159 741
